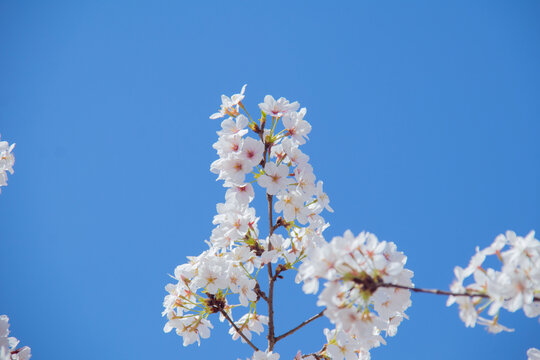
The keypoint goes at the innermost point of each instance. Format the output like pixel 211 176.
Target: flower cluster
pixel 366 285
pixel 357 293
pixel 225 276
pixel 7 160
pixel 8 345
pixel 516 286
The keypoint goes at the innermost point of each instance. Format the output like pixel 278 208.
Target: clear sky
pixel 426 121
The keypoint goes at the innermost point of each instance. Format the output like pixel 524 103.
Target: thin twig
pixel 315 317
pixel 316 355
pixel 437 291
pixel 238 330
pixel 388 285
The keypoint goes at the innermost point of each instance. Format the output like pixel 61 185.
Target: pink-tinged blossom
pixel 228 144
pixel 232 169
pixel 229 105
pixel 297 128
pixel 244 194
pixel 294 154
pixel 252 152
pixel 278 153
pixel 274 178
pixel 278 108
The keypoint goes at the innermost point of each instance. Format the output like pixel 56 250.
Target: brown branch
pixel 259 292
pixel 316 355
pixel 279 222
pixel 279 269
pixel 437 291
pixel 266 146
pixel 238 330
pixel 315 317
pixel 271 331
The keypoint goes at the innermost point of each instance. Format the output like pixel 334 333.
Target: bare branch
pixel 437 291
pixel 315 317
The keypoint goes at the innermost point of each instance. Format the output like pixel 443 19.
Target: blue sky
pixel 425 120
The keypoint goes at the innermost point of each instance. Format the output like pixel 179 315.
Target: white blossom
pixel 297 127
pixel 259 355
pixel 513 287
pixel 365 285
pixel 354 268
pixel 7 160
pixel 533 354
pixel 9 349
pixel 278 108
pixel 274 178
pixel 229 105
pixel 249 323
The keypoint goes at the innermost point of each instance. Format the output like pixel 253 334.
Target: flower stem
pixel 238 330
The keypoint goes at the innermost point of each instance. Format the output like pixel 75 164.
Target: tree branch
pixel 315 317
pixel 316 355
pixel 271 331
pixel 436 291
pixel 238 330
pixel 259 292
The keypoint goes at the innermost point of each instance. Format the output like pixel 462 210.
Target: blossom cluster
pixel 7 160
pixel 8 344
pixel 357 271
pixel 515 286
pixel 225 276
pixel 366 288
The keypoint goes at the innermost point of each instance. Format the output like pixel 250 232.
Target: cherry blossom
pixel 9 345
pixel 259 355
pixel 296 126
pixel 277 108
pixel 533 354
pixel 355 269
pixel 229 105
pixel 366 288
pixel 7 160
pixel 512 288
pixel 247 324
pixel 274 178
